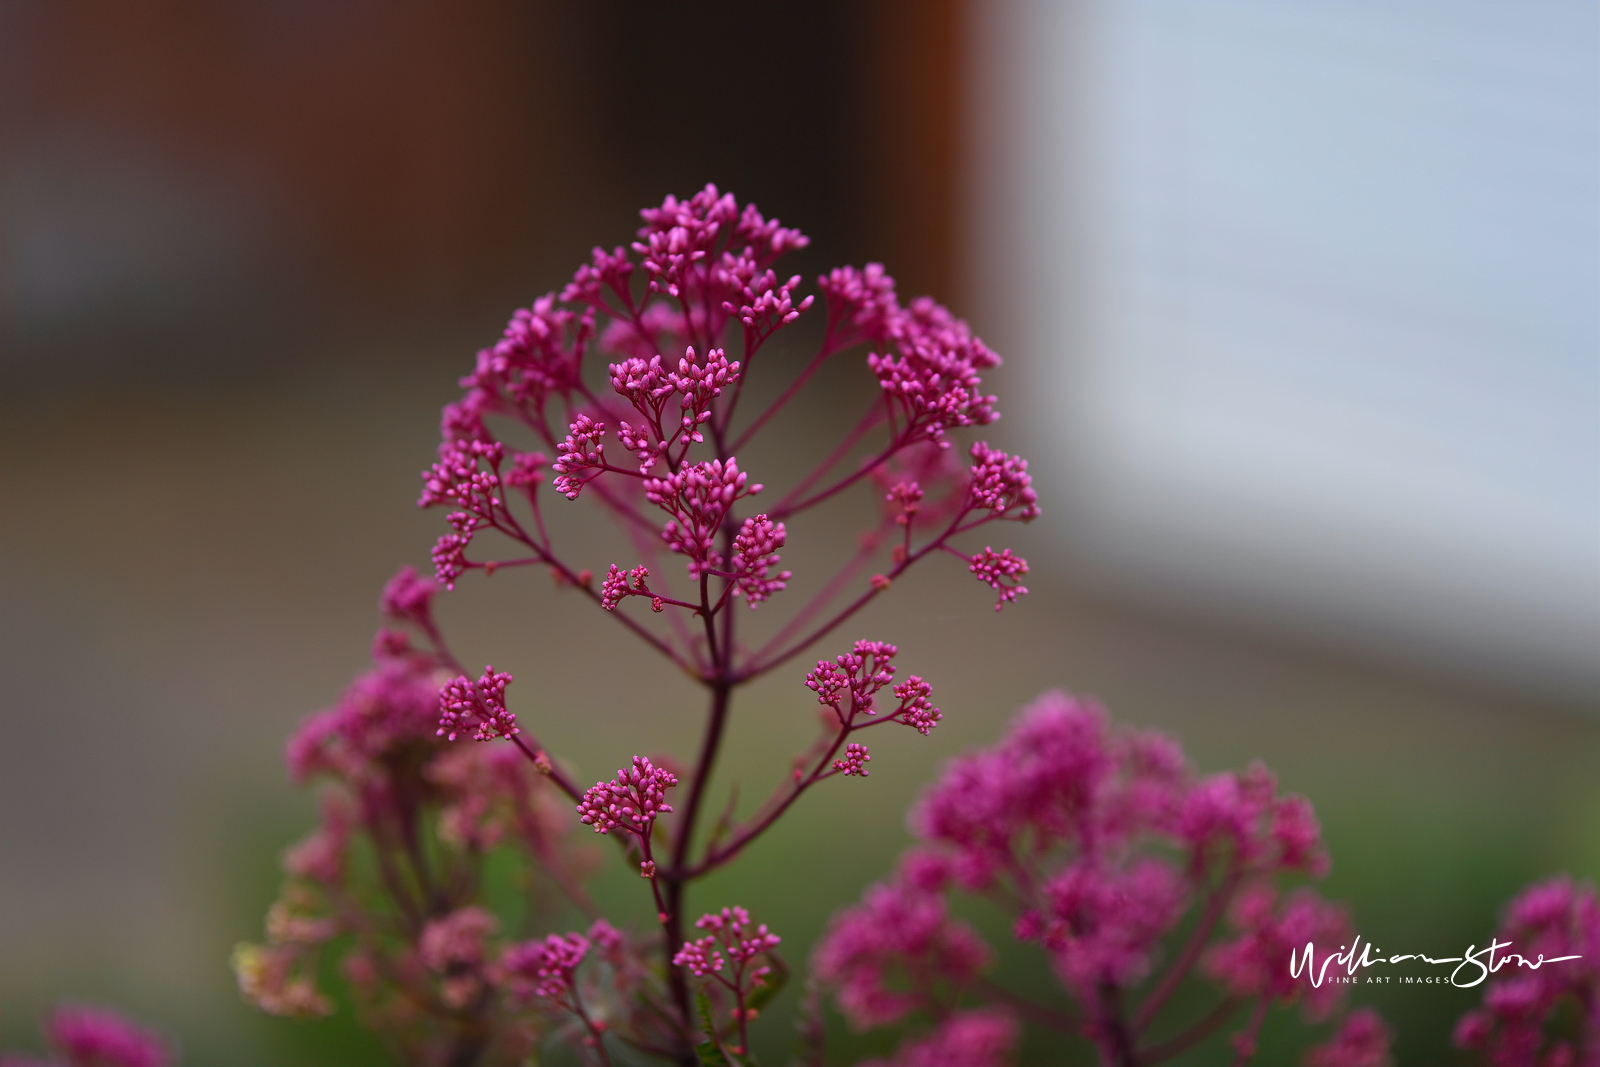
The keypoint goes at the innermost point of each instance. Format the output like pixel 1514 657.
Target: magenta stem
pixel 1216 904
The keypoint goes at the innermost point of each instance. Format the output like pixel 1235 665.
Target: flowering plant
pixel 1100 842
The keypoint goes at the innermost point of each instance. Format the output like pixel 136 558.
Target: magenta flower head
pixel 630 801
pixel 545 968
pixel 95 1037
pixel 479 705
pixel 409 597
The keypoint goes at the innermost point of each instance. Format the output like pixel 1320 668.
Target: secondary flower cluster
pixel 1099 843
pixel 1519 1022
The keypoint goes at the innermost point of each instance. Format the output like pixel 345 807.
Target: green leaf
pixel 710 1051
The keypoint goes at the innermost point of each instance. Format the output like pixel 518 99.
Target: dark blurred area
pixel 246 248
pixel 195 186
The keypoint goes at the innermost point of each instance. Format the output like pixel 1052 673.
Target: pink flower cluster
pixel 732 942
pixel 699 499
pixel 94 1037
pixel 630 801
pixel 707 266
pixel 849 683
pixel 1554 920
pixel 480 705
pixel 731 932
pixel 931 371
pixel 980 1038
pixel 545 968
pixel 1099 843
pixel 897 951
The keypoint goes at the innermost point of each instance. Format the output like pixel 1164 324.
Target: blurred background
pixel 1298 303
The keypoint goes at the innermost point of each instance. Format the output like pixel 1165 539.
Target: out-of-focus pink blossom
pixel 1100 922
pixel 1256 963
pixel 409 596
pixel 884 955
pixel 96 1037
pixel 321 855
pixel 544 967
pixel 455 947
pixel 395 704
pixel 1362 1040
pixel 1547 921
pixel 981 1038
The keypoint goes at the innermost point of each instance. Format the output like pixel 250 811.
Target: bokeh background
pixel 1298 305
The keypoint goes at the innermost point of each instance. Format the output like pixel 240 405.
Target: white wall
pixel 1306 296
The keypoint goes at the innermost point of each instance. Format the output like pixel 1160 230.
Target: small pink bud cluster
pixel 95 1037
pixel 480 705
pixel 630 801
pixel 764 305
pixel 905 500
pixel 459 479
pixel 862 300
pixel 582 457
pixel 915 710
pixel 649 387
pixel 619 583
pixel 730 933
pixel 854 761
pixel 698 499
pixel 755 553
pixel 539 355
pixel 545 968
pixel 1001 483
pixel 1000 571
pixel 932 371
pixel 860 673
